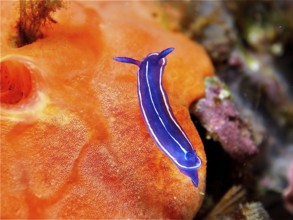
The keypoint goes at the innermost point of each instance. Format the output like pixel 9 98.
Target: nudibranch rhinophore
pixel 158 115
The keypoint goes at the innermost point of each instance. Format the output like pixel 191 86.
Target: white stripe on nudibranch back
pixel 167 104
pixel 154 135
pixel 151 96
pixel 156 138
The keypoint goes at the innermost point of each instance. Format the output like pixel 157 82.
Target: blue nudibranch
pixel 158 115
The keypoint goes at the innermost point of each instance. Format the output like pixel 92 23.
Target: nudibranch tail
pixel 158 115
pixel 195 181
pixel 192 173
pixel 127 60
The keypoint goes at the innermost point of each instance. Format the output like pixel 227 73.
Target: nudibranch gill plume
pixel 158 115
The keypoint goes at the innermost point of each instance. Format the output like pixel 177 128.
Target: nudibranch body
pixel 158 115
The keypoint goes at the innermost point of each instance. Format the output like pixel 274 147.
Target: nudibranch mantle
pixel 158 115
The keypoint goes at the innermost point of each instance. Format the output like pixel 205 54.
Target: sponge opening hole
pixel 16 82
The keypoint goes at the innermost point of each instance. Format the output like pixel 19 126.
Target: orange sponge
pixel 73 141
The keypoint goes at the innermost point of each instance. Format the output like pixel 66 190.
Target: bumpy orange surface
pixel 73 141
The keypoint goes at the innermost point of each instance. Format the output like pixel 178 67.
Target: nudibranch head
pixel 155 57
